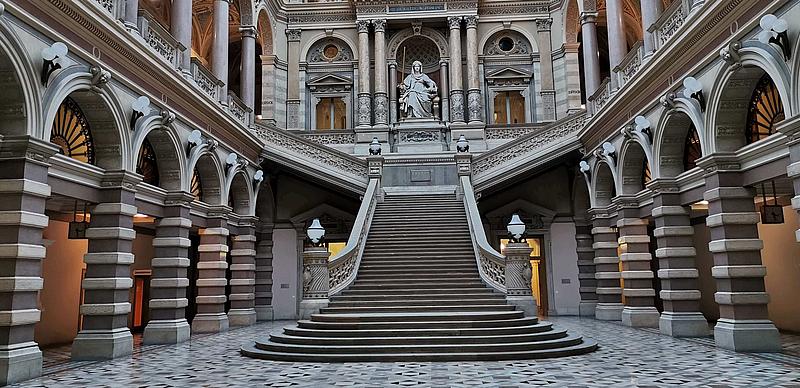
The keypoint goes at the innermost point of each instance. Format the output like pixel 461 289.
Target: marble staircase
pixel 418 296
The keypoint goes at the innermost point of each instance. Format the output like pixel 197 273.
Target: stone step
pixel 410 258
pixel 423 316
pixel 417 325
pixel 432 332
pixel 289 338
pixel 421 302
pixel 433 275
pixel 403 285
pixel 418 291
pixel 412 308
pixel 415 268
pixel 410 297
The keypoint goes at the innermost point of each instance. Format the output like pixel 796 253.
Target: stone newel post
pixel 316 281
pixel 518 278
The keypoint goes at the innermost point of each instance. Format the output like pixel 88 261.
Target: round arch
pixel 669 146
pixel 170 157
pixel 24 118
pixel 209 170
pixel 239 193
pixel 397 40
pixel 604 186
pixel 264 30
pixel 318 37
pixel 490 33
pixel 633 161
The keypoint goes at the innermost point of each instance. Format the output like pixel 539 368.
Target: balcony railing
pixel 160 40
pixel 115 7
pixel 600 97
pixel 630 64
pixel 206 81
pixel 670 21
pixel 239 110
pixel 331 137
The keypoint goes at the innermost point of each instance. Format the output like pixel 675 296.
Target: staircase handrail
pixel 491 263
pixel 343 267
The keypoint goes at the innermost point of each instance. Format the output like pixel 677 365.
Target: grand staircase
pixel 418 296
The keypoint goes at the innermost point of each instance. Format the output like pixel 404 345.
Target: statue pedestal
pixel 420 135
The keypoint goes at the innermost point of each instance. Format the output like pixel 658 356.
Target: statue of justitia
pixel 417 93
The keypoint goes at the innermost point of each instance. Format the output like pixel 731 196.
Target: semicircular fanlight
pixel 197 186
pixel 691 148
pixel 766 110
pixel 146 165
pixel 647 175
pixel 71 132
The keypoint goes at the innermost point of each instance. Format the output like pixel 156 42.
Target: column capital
pixel 362 25
pixel 248 31
pixel 719 162
pixel 625 202
pixel 178 198
pixel 219 211
pixel 544 25
pixel 27 147
pixel 588 17
pixel 120 179
pixel 293 34
pixel 663 186
pixel 379 25
pixel 471 21
pixel 454 22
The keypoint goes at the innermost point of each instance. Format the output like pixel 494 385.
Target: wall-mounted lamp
pixel 195 139
pixel 693 89
pixel 775 31
pixel 642 125
pixel 141 107
pixel 375 147
pixel 316 233
pixel 585 168
pixel 462 145
pixel 516 230
pixel 258 177
pixel 231 159
pixel 51 57
pixel 609 151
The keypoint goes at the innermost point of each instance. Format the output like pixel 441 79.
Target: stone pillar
pixel 456 88
pixel 316 281
pixel 637 275
pixel 444 91
pixel 676 257
pixel 651 10
pixel 268 88
pixel 131 15
pixel 617 44
pixel 548 91
pixel 107 283
pixel 24 162
pixel 243 275
pixel 248 87
pixel 381 100
pixel 606 261
pixel 393 93
pixel 170 279
pixel 591 58
pixel 586 269
pixel 181 29
pixel 211 281
pixel 744 323
pixel 293 79
pixel 219 55
pixel 474 98
pixel 518 278
pixel 264 273
pixel 364 93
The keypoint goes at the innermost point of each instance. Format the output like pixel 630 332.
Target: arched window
pixel 765 111
pixel 197 186
pixel 147 166
pixel 691 149
pixel 71 132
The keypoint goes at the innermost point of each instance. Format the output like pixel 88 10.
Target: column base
pixel 242 317
pixel 608 311
pixel 102 344
pixel 311 306
pixel 525 303
pixel 683 324
pixel 210 323
pixel 264 313
pixel 640 316
pixel 747 336
pixel 22 362
pixel 166 332
pixel 587 309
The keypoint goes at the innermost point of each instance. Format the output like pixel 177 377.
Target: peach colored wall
pixel 781 256
pixel 59 300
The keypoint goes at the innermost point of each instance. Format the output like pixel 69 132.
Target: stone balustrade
pixel 205 80
pixel 600 97
pixel 115 7
pixel 239 110
pixel 669 22
pixel 160 40
pixel 630 64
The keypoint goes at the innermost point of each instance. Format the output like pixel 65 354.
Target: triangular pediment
pixel 330 79
pixel 508 72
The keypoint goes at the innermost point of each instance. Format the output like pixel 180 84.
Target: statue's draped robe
pixel 418 101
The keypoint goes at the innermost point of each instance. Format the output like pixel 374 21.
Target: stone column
pixel 393 93
pixel 586 269
pixel 181 29
pixel 316 281
pixel 637 275
pixel 381 99
pixel 651 10
pixel 609 291
pixel 676 257
pixel 456 88
pixel 24 162
pixel 211 267
pixel 744 323
pixel 547 92
pixel 474 98
pixel 293 79
pixel 248 87
pixel 131 14
pixel 219 55
pixel 591 58
pixel 170 279
pixel 107 283
pixel 264 273
pixel 518 278
pixel 444 91
pixel 243 274
pixel 617 44
pixel 364 92
pixel 268 88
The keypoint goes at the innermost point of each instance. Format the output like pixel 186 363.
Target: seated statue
pixel 417 93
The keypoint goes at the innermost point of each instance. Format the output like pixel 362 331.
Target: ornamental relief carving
pixel 507 43
pixel 329 50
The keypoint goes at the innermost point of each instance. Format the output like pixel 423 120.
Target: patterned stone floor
pixel 627 358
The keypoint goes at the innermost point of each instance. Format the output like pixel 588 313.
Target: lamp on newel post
pixel 518 268
pixel 316 277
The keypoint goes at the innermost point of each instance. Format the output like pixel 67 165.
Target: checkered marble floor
pixel 626 358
